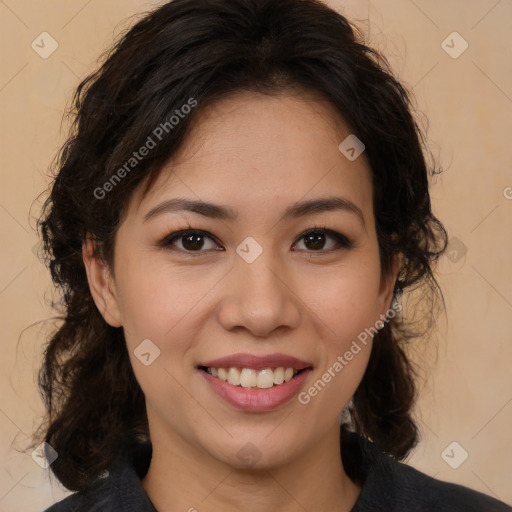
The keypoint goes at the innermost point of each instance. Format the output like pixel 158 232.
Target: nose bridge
pixel 261 287
pixel 261 300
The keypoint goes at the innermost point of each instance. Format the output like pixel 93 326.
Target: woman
pixel 241 204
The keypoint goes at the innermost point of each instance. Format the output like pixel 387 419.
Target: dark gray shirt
pixel 387 486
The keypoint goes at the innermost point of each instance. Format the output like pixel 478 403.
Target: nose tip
pixel 259 300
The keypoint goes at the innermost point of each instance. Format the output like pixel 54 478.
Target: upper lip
pixel 257 362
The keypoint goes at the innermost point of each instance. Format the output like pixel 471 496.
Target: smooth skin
pixel 306 297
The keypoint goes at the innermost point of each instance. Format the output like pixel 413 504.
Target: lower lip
pixel 254 399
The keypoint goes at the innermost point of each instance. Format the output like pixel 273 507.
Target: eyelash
pixel 166 242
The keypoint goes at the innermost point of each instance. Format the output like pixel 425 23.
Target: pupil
pixel 197 243
pixel 317 239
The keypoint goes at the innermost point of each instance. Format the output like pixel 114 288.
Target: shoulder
pixel 428 493
pixel 95 498
pixel 391 486
pixel 119 490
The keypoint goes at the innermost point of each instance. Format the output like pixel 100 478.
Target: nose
pixel 259 297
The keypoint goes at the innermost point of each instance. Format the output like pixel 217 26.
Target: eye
pixel 315 240
pixel 189 240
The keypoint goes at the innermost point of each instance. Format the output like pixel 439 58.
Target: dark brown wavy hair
pixel 207 50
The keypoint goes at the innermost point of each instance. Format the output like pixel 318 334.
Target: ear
pixel 387 285
pixel 101 285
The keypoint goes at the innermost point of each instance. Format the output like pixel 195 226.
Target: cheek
pixel 346 308
pixel 152 299
pixel 345 298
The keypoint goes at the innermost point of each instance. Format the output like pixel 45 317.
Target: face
pixel 262 276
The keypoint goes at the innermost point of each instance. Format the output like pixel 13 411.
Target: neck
pixel 183 478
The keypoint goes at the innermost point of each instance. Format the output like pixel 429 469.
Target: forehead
pixel 253 150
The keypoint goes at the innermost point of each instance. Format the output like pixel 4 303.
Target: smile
pixel 255 398
pixel 252 378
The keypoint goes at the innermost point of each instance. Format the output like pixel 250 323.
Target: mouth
pixel 263 378
pixel 261 389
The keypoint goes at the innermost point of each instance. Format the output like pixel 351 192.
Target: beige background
pixel 467 394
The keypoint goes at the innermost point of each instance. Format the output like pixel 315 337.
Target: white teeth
pixel 279 375
pixel 265 378
pixel 249 378
pixel 288 374
pixel 234 376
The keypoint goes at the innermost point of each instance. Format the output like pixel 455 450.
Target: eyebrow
pixel 221 212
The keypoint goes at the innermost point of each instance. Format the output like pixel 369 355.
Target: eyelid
pixel 176 235
pixel 343 240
